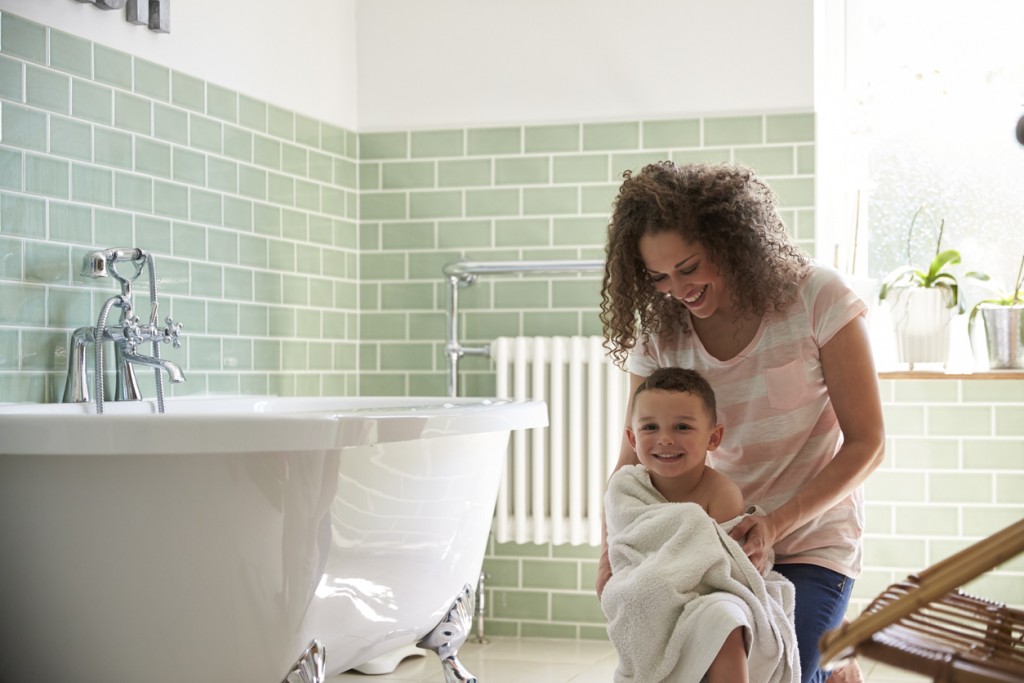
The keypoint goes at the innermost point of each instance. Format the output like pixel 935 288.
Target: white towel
pixel 680 585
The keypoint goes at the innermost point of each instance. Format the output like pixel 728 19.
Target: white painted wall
pixel 413 64
pixel 479 62
pixel 301 56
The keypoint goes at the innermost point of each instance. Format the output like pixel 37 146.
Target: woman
pixel 701 273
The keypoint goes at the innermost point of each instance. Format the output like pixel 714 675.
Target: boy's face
pixel 672 431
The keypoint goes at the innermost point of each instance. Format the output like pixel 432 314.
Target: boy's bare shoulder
pixel 719 482
pixel 726 500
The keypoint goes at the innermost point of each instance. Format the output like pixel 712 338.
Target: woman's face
pixel 682 270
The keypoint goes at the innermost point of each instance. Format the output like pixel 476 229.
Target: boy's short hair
pixel 682 380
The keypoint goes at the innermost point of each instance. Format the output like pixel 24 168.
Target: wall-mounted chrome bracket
pixel 463 274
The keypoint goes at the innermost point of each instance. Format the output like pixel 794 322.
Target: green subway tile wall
pixel 250 211
pixel 942 488
pixel 306 259
pixel 538 192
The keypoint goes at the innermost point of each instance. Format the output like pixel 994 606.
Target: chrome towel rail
pixel 464 273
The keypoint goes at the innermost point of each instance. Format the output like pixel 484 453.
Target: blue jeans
pixel 822 596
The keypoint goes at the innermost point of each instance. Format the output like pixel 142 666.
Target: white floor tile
pixel 509 660
pixel 542 650
pixel 603 671
pixel 539 660
pixel 883 673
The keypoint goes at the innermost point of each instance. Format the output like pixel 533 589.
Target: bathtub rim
pixel 196 425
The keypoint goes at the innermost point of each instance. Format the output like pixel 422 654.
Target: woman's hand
pixel 757 535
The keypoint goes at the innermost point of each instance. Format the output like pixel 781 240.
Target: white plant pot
pixel 921 317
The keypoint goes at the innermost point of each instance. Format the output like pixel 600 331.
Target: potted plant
pixel 1003 315
pixel 923 303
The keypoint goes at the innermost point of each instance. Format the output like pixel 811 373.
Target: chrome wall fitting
pixel 481 609
pixel 311 665
pixel 448 636
pixel 126 335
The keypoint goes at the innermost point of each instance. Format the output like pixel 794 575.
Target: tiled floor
pixel 512 660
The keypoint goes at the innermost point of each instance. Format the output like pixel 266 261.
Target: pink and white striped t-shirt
pixel 780 428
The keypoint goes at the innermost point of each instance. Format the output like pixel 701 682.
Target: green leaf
pixel 941 260
pixel 906 276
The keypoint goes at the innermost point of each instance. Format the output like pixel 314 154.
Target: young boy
pixel 672 427
pixel 685 604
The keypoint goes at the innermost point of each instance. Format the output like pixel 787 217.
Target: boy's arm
pixel 726 498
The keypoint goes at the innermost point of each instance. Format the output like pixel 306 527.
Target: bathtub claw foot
pixel 448 636
pixel 455 672
pixel 310 667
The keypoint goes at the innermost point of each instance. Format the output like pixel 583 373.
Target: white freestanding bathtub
pixel 242 539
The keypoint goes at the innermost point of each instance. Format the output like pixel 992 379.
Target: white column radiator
pixel 556 477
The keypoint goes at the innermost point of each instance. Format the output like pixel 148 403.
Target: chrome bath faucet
pixel 126 335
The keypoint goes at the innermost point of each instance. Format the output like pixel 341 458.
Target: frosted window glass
pixel 936 90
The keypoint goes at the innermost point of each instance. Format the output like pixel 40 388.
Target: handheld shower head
pixel 98 264
pixel 94 265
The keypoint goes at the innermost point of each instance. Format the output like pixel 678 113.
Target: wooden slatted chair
pixel 927 625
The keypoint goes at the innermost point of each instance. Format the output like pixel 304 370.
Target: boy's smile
pixel 672 432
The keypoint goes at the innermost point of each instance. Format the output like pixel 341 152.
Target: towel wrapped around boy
pixel 680 585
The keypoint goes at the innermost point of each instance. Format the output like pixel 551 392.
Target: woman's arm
pixel 627 456
pixel 852 383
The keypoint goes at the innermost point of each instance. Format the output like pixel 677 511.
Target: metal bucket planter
pixel 921 317
pixel 1004 333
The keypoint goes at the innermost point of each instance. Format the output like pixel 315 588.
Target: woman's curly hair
pixel 725 208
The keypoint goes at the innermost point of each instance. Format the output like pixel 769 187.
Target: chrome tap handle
pixel 134 333
pixel 172 332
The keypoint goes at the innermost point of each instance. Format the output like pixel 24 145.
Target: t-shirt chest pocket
pixel 787 385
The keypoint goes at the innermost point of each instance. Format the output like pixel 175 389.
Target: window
pixel 922 122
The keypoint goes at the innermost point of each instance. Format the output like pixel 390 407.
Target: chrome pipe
pixel 453 349
pixel 463 274
pixel 467 269
pixel 481 609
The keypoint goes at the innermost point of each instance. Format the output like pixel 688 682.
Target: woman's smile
pixel 683 271
pixel 693 299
